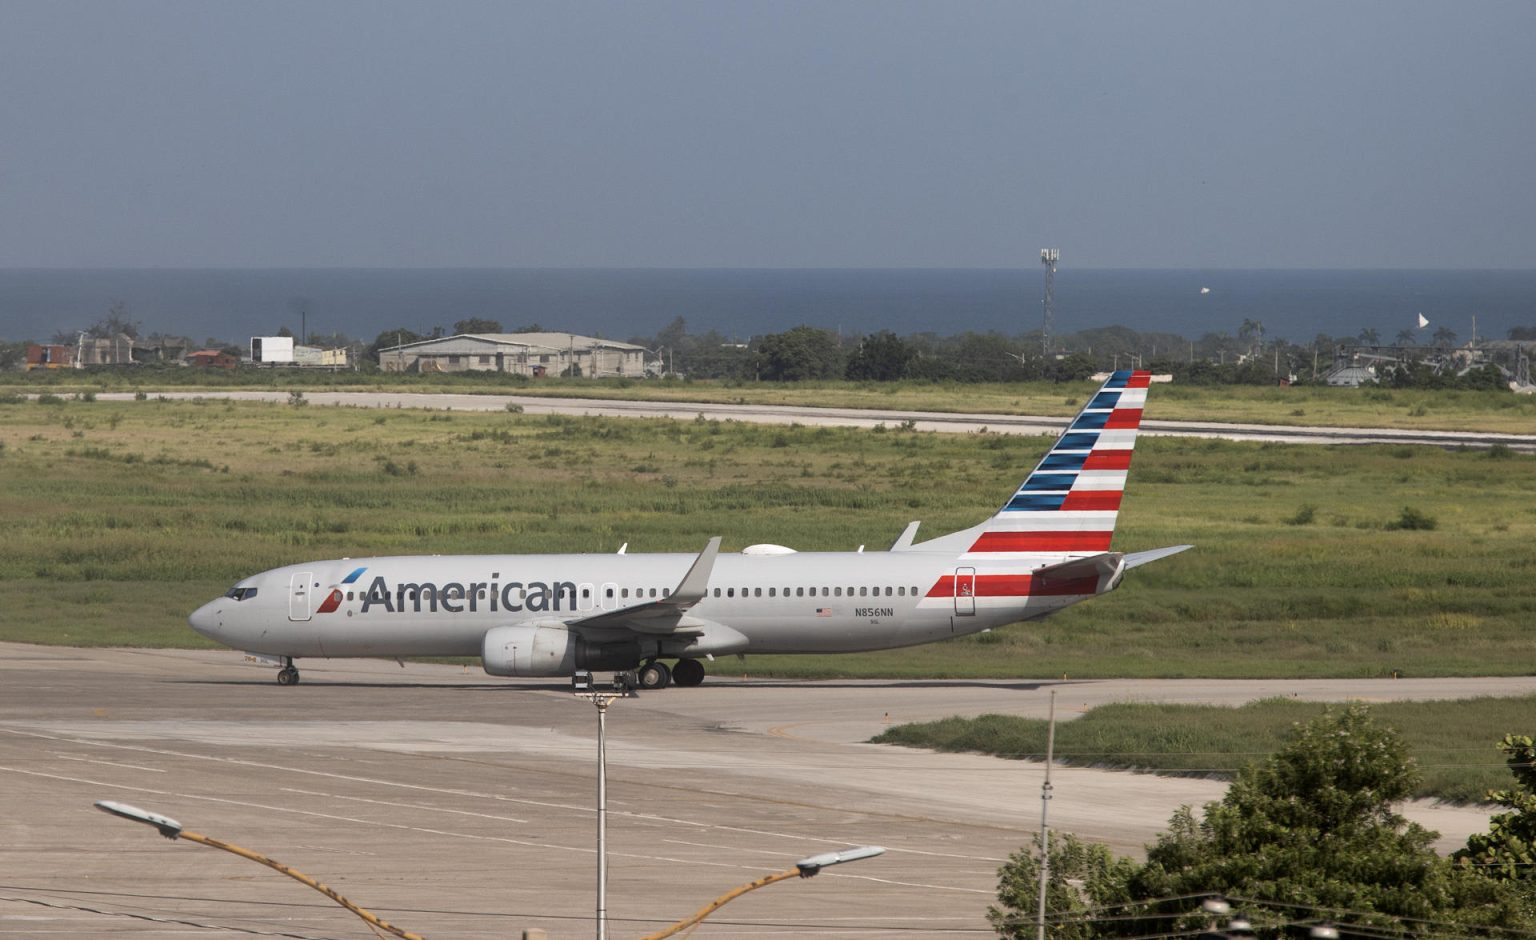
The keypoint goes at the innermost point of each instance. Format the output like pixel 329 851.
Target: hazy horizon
pixel 767 134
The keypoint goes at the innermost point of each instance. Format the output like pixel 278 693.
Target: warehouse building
pixel 531 354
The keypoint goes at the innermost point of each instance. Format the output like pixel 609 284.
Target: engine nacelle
pixel 533 650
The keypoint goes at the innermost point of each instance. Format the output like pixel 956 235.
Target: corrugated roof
pixel 477 342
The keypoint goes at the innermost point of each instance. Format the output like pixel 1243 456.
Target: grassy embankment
pixel 122 517
pixel 1453 742
pixel 1302 406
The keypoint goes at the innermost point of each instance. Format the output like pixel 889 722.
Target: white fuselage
pixel 804 602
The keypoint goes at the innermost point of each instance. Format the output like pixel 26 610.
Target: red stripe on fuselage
pixel 1043 542
pixel 1014 585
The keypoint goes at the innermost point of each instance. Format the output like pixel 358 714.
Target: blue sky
pixel 767 134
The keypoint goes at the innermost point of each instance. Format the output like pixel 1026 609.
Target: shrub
pixel 1304 515
pixel 1411 518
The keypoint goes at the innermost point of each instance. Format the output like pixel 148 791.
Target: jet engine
pixel 535 650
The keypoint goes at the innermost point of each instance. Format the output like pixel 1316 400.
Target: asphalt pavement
pixel 454 804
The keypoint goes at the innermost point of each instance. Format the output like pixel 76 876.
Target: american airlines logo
pixel 456 597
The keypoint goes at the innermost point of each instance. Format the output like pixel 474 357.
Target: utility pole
pixel 1049 257
pixel 1045 829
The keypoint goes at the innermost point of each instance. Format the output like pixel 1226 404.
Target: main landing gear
pixel 288 675
pixel 655 674
pixel 688 673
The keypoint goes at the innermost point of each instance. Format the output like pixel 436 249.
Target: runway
pixel 861 418
pixel 454 804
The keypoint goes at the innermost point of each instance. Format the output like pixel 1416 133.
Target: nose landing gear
pixel 288 675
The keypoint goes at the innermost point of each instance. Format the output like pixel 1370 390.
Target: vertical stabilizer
pixel 1069 503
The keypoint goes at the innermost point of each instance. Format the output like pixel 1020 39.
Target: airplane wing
pixel 904 540
pixel 667 615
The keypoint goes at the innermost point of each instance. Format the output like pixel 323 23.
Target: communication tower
pixel 1049 257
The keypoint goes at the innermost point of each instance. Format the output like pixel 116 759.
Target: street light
pixel 804 868
pixel 602 699
pixel 172 829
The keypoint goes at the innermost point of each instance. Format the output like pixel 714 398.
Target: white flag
pixel 1422 321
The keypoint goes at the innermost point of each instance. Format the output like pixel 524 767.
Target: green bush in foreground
pixel 1307 835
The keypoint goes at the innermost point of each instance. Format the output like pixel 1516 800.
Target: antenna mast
pixel 1049 257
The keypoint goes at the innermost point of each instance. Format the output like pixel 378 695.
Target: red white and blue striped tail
pixel 1069 503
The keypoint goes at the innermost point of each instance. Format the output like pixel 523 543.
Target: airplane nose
pixel 207 620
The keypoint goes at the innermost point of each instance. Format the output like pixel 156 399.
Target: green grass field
pixel 119 518
pixel 1453 742
pixel 1302 405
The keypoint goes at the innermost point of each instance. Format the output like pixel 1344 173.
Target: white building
pixel 531 354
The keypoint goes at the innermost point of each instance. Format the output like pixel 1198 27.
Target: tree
pixel 1252 333
pixel 1405 338
pixel 1314 825
pixel 1369 337
pixel 1311 830
pixel 804 352
pixel 1083 876
pixel 477 325
pixel 390 339
pixel 1445 336
pixel 1507 851
pixel 882 356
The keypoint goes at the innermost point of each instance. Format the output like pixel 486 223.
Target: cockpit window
pixel 241 593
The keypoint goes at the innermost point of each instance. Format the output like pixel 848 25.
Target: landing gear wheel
pixel 654 675
pixel 688 673
pixel 288 676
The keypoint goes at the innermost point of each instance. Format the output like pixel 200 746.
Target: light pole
pixel 172 829
pixel 602 700
pixel 804 868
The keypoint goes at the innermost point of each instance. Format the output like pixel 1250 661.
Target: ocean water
pixel 233 305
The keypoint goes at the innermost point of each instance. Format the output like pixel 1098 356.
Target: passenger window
pixel 826 592
pixel 771 593
pixel 730 592
pixel 717 592
pixel 799 592
pixel 838 591
pixel 757 592
pixel 901 591
pixel 863 592
pixel 887 590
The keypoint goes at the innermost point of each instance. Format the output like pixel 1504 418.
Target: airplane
pixel 1047 548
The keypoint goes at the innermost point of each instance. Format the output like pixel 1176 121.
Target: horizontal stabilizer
pixel 1101 572
pixel 1136 559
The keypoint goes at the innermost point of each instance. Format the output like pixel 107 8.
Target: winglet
pixel 695 583
pixel 904 540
